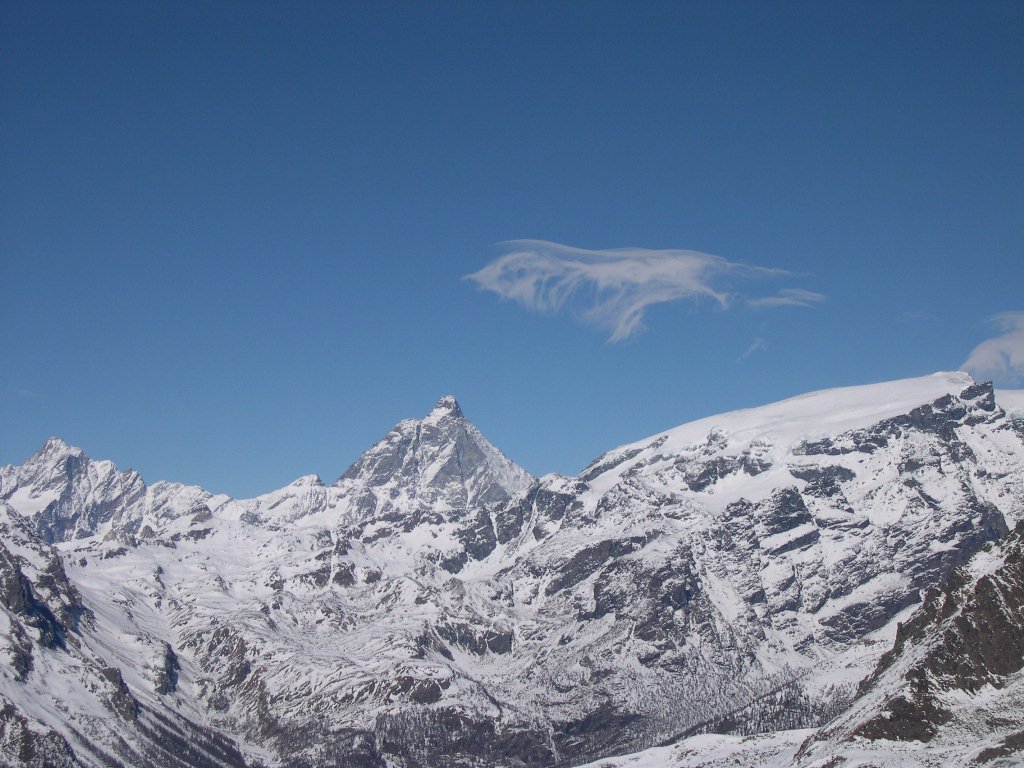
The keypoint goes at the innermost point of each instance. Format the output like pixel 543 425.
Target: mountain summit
pixel 65 494
pixel 440 465
pixel 446 405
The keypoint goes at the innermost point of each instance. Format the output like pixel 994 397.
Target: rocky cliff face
pixel 954 679
pixel 438 607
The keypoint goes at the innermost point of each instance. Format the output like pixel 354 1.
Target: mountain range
pixel 834 579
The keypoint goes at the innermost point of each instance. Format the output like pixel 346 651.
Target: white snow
pixel 805 417
pixel 768 750
pixel 264 570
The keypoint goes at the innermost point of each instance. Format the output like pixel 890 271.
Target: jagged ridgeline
pixel 437 606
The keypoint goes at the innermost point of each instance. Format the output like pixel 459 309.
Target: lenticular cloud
pixel 1000 358
pixel 609 289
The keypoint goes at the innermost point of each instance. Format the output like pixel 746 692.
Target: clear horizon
pixel 240 242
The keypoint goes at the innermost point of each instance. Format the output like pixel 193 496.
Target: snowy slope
pixel 63 698
pixel 436 606
pixel 954 681
pixel 769 750
pixel 949 693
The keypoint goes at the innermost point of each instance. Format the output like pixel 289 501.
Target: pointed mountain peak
pixel 446 405
pixel 54 447
pixel 440 462
pixel 307 480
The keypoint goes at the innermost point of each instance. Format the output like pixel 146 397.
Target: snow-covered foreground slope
pixel 949 693
pixel 954 680
pixel 776 749
pixel 438 607
pixel 63 698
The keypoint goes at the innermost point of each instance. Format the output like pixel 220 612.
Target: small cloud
pixel 788 297
pixel 1001 358
pixel 26 394
pixel 613 289
pixel 755 345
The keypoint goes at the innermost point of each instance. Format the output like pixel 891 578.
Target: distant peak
pixel 446 404
pixel 54 446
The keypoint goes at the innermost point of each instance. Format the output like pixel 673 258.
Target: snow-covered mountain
pixel 954 680
pixel 437 606
pixel 949 693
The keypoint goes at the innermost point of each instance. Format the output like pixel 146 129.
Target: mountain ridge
pixel 435 606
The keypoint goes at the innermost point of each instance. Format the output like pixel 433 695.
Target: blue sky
pixel 235 237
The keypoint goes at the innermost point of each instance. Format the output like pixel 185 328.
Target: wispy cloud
pixel 1001 358
pixel 788 297
pixel 755 345
pixel 613 289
